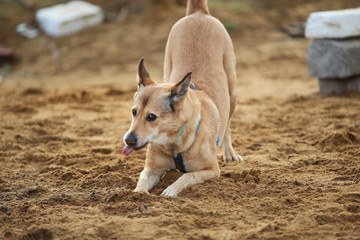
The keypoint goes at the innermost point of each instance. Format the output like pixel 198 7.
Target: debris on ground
pixel 65 19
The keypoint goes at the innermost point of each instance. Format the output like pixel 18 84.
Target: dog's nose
pixel 131 139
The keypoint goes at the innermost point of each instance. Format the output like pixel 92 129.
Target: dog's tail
pixel 197 6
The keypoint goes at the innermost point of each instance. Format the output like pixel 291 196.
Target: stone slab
pixel 334 58
pixel 65 19
pixel 339 86
pixel 333 24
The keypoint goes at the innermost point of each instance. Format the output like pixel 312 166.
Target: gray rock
pixel 334 58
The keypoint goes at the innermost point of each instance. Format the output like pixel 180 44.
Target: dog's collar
pixel 177 157
pixel 192 86
pixel 179 162
pixel 184 126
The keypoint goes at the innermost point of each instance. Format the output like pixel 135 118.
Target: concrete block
pixel 65 19
pixel 334 58
pixel 339 86
pixel 333 24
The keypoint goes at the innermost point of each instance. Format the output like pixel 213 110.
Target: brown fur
pixel 198 43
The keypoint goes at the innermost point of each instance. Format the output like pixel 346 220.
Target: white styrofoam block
pixel 333 24
pixel 65 19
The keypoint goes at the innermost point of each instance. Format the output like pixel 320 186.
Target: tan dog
pixel 183 128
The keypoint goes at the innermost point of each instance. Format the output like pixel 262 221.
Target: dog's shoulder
pixel 208 106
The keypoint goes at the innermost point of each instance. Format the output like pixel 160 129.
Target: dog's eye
pixel 151 117
pixel 134 112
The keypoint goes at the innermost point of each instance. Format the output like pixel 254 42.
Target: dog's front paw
pixel 232 157
pixel 170 192
pixel 139 190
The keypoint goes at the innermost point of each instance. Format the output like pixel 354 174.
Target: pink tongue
pixel 127 150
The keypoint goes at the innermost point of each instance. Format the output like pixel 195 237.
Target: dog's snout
pixel 131 139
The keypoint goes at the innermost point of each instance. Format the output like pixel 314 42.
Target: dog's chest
pixel 170 149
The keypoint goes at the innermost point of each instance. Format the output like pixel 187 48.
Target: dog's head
pixel 155 112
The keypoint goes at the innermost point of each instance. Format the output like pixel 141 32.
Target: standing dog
pixel 183 127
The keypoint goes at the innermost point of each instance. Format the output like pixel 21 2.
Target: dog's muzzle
pixel 131 140
pixel 132 143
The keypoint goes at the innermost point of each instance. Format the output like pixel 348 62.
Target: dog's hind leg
pixel 229 152
pixel 230 69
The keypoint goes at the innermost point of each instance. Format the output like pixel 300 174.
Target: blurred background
pixel 266 34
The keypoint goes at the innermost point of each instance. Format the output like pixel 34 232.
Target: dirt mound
pixel 342 141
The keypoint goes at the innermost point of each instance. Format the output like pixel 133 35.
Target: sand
pixel 63 175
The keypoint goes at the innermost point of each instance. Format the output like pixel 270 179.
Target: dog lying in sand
pixel 184 119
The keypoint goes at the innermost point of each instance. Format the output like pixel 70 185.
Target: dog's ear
pixel 143 76
pixel 179 91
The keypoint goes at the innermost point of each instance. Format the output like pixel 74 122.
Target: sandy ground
pixel 63 175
